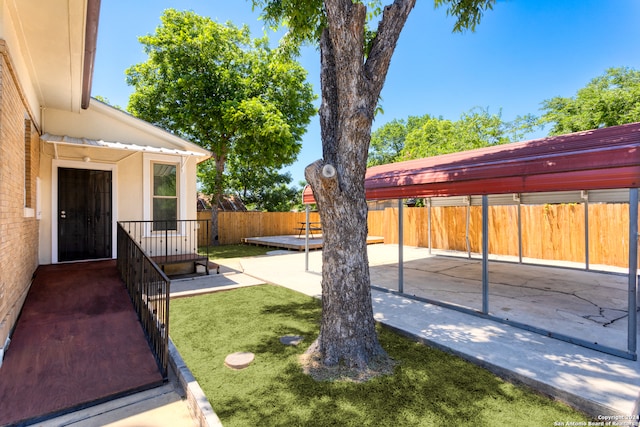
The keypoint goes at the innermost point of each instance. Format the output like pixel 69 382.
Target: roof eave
pixel 152 129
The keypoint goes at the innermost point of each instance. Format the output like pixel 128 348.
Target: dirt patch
pixel 312 365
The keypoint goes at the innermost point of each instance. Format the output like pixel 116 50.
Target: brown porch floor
pixel 77 342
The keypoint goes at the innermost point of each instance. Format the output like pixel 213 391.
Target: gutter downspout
pixel 90 43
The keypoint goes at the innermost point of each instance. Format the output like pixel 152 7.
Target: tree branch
pixel 393 20
pixel 328 108
pixel 324 181
pixel 345 26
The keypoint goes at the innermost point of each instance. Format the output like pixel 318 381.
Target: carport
pixel 597 166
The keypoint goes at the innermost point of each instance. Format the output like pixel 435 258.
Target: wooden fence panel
pixel 552 232
pixel 374 223
pixel 607 245
pixel 503 230
pixel 235 226
pixel 448 225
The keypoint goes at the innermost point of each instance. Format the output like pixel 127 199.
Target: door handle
pixel 63 214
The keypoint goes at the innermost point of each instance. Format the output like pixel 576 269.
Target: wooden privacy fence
pixel 552 232
pixel 235 226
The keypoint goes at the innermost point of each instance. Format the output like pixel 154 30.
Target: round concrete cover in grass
pixel 239 360
pixel 291 339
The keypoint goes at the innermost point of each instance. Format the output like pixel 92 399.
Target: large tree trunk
pixel 350 90
pixel 217 195
pixel 213 237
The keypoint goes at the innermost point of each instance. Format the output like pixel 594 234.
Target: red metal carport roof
pixel 597 159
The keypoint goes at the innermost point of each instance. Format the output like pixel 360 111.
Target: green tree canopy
pixel 427 136
pixel 213 85
pixel 263 189
pixel 608 100
pixel 388 141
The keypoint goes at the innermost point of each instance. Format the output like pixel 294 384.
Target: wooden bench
pixel 196 259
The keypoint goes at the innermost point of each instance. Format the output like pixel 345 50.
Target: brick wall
pixel 19 165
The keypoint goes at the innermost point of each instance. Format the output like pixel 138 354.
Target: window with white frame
pixel 165 191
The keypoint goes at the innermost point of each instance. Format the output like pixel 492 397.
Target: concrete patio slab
pixel 227 279
pixel 593 381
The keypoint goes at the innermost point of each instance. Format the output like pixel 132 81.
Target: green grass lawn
pixel 234 251
pixel 428 387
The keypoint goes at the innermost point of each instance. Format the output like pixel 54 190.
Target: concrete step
pixel 158 407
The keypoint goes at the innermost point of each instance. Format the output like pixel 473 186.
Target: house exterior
pixel 71 167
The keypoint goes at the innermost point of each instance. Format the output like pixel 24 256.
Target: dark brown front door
pixel 84 214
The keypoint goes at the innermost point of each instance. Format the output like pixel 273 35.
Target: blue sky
pixel 523 52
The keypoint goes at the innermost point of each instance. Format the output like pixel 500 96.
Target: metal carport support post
pixel 400 247
pixel 633 270
pixel 306 239
pixel 585 196
pixel 467 201
pixel 517 198
pixel 429 223
pixel 485 254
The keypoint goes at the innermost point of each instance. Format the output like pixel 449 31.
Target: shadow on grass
pixel 307 312
pixel 428 387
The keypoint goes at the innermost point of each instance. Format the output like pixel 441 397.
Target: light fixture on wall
pixel 86 159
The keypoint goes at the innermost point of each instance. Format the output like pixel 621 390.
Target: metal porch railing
pixel 172 241
pixel 148 288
